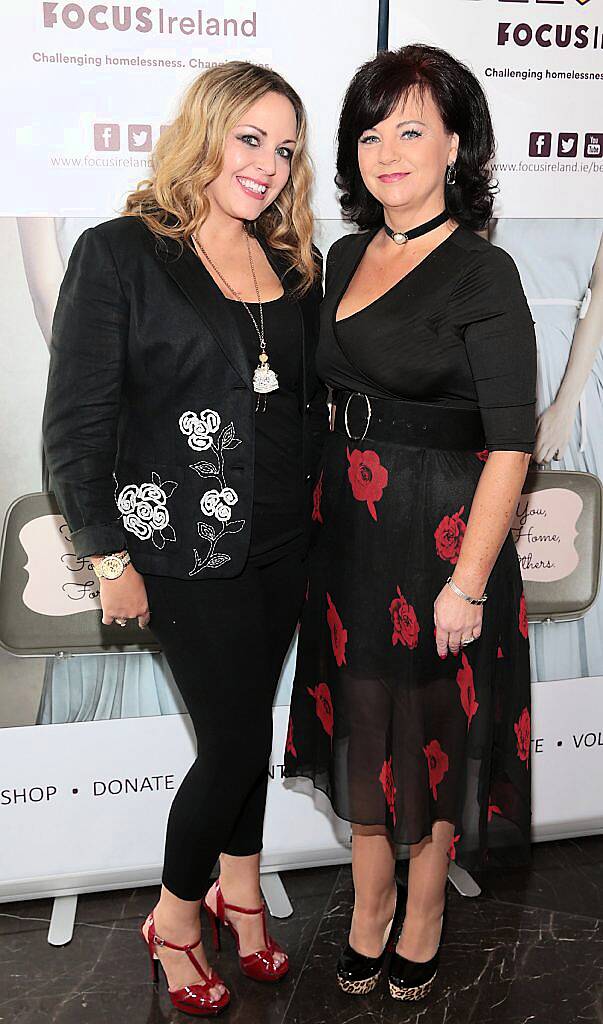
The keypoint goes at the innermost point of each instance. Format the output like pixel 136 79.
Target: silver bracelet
pixel 459 592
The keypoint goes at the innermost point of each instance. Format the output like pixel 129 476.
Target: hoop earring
pixel 450 174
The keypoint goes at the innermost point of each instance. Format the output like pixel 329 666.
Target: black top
pixel 278 494
pixel 455 331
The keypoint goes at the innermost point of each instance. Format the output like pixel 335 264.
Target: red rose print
pixel 339 635
pixel 317 495
pixel 522 731
pixel 464 678
pixel 449 536
pixel 386 778
pixel 437 761
pixel 367 477
pixel 452 847
pixel 493 809
pixel 290 747
pixel 404 620
pixel 324 706
pixel 483 455
pixel 523 617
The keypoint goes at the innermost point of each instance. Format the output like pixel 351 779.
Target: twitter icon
pixel 567 144
pixel 140 138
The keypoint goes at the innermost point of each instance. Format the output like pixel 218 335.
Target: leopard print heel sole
pixel 408 993
pixel 358 988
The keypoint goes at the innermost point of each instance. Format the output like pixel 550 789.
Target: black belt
pixel 419 424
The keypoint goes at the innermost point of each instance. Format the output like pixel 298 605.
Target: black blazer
pixel 149 421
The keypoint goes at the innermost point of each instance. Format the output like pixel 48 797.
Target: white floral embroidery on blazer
pixel 144 510
pixel 201 429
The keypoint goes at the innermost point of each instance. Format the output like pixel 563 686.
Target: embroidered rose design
pixel 452 847
pixel 200 428
pixel 464 678
pixel 404 621
pixel 316 497
pixel 449 536
pixel 523 617
pixel 522 731
pixel 367 477
pixel 201 431
pixel 219 503
pixel 339 635
pixel 386 778
pixel 144 510
pixel 290 748
pixel 483 456
pixel 437 762
pixel 324 705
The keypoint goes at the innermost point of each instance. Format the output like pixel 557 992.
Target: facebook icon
pixel 540 144
pixel 106 137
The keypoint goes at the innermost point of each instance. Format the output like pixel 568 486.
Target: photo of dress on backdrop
pixel 561 267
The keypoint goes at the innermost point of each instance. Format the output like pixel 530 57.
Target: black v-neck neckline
pixel 397 284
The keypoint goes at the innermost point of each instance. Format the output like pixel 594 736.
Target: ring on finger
pixel 122 622
pixel 467 640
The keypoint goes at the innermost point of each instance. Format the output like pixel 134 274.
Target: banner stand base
pixel 64 908
pixel 275 894
pixel 462 880
pixel 62 920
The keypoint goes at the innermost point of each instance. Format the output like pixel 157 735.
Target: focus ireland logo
pixel 127 18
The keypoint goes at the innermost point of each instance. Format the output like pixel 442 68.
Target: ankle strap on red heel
pixel 156 940
pixel 221 905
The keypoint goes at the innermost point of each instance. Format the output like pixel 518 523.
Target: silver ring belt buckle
pixel 369 411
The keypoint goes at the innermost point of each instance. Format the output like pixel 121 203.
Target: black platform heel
pixel 358 974
pixel 410 980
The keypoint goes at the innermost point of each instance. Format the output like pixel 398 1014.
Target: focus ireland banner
pixel 98 81
pixel 541 65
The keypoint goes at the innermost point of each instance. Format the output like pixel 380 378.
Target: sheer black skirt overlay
pixel 393 734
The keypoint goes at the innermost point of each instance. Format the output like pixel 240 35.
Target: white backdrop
pixel 540 64
pixel 99 793
pixel 74 75
pixel 91 100
pixel 90 104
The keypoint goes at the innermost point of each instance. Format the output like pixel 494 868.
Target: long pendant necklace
pixel 265 379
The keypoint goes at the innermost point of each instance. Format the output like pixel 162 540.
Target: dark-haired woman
pixel 411 704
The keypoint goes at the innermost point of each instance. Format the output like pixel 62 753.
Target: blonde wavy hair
pixel 189 155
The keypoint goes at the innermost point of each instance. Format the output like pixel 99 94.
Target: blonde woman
pixel 182 423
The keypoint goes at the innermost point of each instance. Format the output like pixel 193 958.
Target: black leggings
pixel 225 642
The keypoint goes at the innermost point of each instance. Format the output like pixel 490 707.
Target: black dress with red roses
pixel 393 734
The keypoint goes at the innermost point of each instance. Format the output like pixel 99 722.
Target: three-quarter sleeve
pixel 490 307
pixel 81 412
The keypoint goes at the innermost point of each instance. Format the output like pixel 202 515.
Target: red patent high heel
pixel 196 999
pixel 259 965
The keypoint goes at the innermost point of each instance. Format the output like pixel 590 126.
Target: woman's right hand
pixel 553 431
pixel 125 597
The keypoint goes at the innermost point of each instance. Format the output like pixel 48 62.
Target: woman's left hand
pixel 455 620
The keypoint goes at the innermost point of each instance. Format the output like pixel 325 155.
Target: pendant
pixel 399 237
pixel 264 379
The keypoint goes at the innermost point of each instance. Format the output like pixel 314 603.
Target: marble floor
pixel 529 950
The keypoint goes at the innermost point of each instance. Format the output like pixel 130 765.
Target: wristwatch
pixel 111 566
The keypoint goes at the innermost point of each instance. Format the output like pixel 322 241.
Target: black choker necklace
pixel 400 237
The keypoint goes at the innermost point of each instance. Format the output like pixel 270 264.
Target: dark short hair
pixel 375 91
